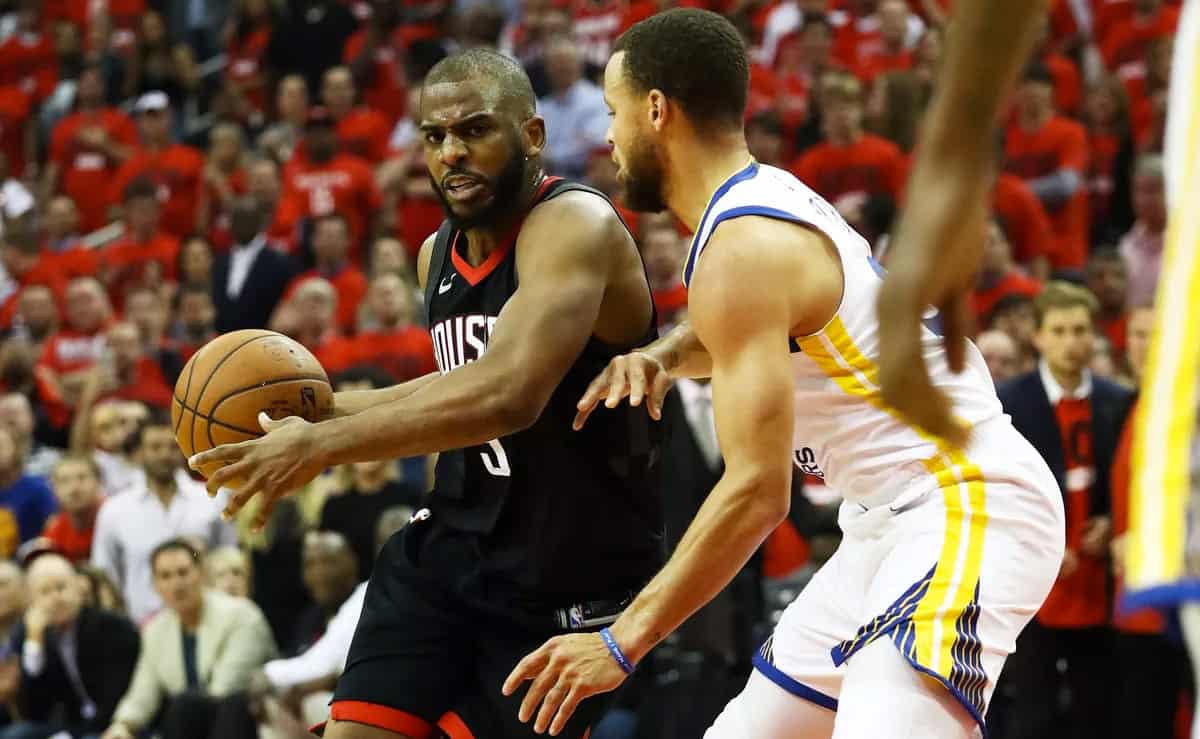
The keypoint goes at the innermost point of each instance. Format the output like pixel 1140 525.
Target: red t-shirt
pixel 1060 144
pixel 178 171
pixel 872 165
pixel 1068 86
pixel 364 133
pixel 1104 148
pixel 1114 329
pixel 77 261
pixel 244 68
pixel 1141 107
pixel 15 109
pixel 64 352
pixel 30 63
pixel 1025 220
pixel 1014 282
pixel 87 172
pixel 385 92
pixel 45 271
pixel 882 61
pixel 126 263
pixel 344 185
pixel 1128 39
pixel 351 286
pixel 1078 599
pixel 335 353
pixel 148 385
pixel 72 543
pixel 405 354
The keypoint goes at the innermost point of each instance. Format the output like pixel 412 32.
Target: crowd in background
pixel 174 169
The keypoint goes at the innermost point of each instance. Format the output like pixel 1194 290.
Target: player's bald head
pixel 499 80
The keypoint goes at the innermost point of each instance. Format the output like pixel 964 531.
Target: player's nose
pixel 453 151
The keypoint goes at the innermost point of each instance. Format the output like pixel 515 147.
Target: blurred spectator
pixel 87 148
pixel 596 24
pixel 176 170
pixel 249 281
pixel 361 131
pixel 1025 222
pixel 479 26
pixel 1050 153
pixel 148 309
pixel 145 255
pixel 130 373
pixel 1142 247
pixel 197 680
pixel 309 316
pixel 1102 363
pixel 195 262
pixel 68 353
pixel 165 504
pixel 1068 86
pixel 893 53
pixel 1107 279
pixel 1128 38
pixel 36 318
pixel 247 36
pixel 998 276
pixel 850 162
pixel 764 138
pixel 76 660
pixel 224 173
pixel 927 57
pixel 329 568
pixel 1074 419
pixel 1145 85
pixel 331 244
pixel 324 181
pixel 76 484
pixel 663 251
pixel 12 599
pixel 575 113
pixel 265 185
pixel 895 106
pixel 860 36
pixel 27 58
pixel 63 245
pixel 25 500
pixel 23 263
pixel 1106 115
pixel 1015 316
pixel 783 20
pixel 197 24
pixel 105 431
pixel 309 39
pixel 162 65
pixel 291 112
pixel 17 368
pixel 372 489
pixel 228 570
pixel 390 256
pixel 98 589
pixel 197 319
pixel 1137 340
pixel 16 415
pixel 16 201
pixel 376 56
pixel 1001 354
pixel 390 340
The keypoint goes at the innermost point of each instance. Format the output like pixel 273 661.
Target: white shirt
pixel 327 656
pixel 132 523
pixel 1055 392
pixel 576 123
pixel 697 407
pixel 241 259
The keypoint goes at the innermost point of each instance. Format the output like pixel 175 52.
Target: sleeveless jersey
pixel 552 511
pixel 844 432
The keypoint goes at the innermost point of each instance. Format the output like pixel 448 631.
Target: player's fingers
pixel 264 515
pixel 223 476
pixel 618 382
pixel 566 710
pixel 554 698
pixel 637 383
pixel 240 497
pixel 223 454
pixel 587 402
pixel 537 691
pixel 526 669
pixel 658 393
pixel 956 326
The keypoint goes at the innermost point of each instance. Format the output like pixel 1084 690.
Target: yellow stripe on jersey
pixel 952 586
pixel 1166 415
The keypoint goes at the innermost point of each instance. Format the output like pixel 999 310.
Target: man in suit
pixel 76 661
pixel 250 280
pixel 198 654
pixel 1074 419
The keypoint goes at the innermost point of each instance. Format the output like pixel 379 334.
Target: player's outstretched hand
pixel 564 671
pixel 637 375
pixel 282 460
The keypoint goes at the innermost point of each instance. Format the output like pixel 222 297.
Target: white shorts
pixel 950 577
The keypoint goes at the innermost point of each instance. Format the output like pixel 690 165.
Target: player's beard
pixel 506 190
pixel 643 178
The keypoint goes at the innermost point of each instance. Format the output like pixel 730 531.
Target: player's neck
pixel 709 165
pixel 482 241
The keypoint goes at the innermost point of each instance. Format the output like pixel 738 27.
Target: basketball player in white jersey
pixel 948 550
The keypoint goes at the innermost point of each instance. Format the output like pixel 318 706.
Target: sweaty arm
pixel 538 335
pixel 746 330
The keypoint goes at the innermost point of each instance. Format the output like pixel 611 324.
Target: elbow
pixel 769 496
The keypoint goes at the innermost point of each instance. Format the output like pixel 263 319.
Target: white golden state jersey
pixel 844 432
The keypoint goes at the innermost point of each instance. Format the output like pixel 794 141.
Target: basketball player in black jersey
pixel 532 529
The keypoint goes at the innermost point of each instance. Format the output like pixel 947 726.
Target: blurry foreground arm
pixel 938 243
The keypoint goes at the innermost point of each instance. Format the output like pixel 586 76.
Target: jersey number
pixel 498 466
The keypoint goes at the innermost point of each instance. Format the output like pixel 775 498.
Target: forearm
pixel 681 354
pixel 356 401
pixel 733 522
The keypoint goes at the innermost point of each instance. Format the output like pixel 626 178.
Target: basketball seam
pixel 212 373
pixel 186 389
pixel 267 383
pixel 218 422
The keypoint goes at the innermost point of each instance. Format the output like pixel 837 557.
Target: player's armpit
pixel 424 256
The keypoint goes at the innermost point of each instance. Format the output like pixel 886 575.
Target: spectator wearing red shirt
pixel 76 485
pixel 245 80
pixel 62 244
pixel 802 60
pixel 361 131
pixel 264 184
pixel 326 181
pixel 17 129
pixel 280 140
pixel 1105 275
pixel 998 276
pixel 28 59
pixel 892 54
pixel 1025 222
pixel 224 174
pixel 389 339
pixel 894 108
pixel 135 374
pixel 1129 39
pixel 850 162
pixel 66 355
pixel 176 169
pixel 310 317
pixel 663 250
pixel 87 148
pixel 145 255
pixel 36 318
pixel 1050 153
pixel 1106 116
pixel 23 264
pixel 375 55
pixel 331 243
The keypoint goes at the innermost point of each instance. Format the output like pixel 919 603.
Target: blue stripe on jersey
pixel 747 173
pixel 745 210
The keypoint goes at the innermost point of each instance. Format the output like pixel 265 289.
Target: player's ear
pixel 657 109
pixel 533 136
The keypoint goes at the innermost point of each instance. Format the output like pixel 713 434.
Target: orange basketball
pixel 233 378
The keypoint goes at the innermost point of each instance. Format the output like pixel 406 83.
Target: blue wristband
pixel 615 651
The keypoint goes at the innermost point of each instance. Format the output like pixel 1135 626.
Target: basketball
pixel 236 376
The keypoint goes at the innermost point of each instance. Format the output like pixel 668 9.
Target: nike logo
pixel 445 285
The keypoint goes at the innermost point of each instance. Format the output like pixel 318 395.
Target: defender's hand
pixel 637 375
pixel 564 671
pixel 283 460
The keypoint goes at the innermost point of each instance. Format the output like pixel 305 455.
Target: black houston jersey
pixel 555 511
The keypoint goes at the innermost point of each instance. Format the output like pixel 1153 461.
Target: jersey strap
pixel 704 229
pixel 437 261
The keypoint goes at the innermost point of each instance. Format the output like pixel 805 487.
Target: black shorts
pixel 431 651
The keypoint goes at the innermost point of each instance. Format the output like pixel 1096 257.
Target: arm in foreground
pixel 746 331
pixel 938 244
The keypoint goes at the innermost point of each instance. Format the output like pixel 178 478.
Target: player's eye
pixel 434 137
